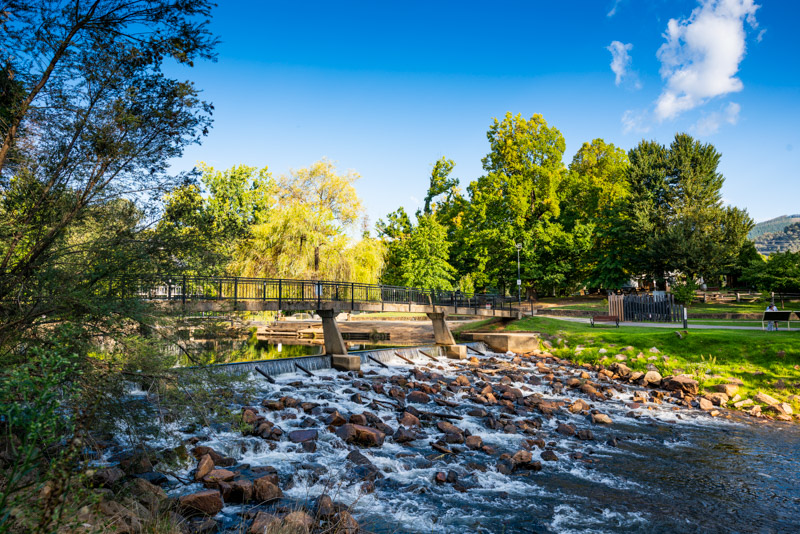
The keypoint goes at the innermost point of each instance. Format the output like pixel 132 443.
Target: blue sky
pixel 385 89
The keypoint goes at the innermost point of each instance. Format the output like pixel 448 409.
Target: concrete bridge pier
pixel 334 344
pixel 445 338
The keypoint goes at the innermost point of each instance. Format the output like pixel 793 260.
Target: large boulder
pixel 208 502
pixel 728 389
pixel 652 378
pixel 300 436
pixel 682 383
pixel 361 435
pixel 418 397
pixel 204 467
pixel 766 399
pixel 265 490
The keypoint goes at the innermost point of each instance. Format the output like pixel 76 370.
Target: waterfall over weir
pixel 281 366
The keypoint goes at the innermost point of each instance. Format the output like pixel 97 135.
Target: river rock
pixel 652 378
pixel 728 389
pixel 361 435
pixel 781 408
pixel 706 404
pixel 565 429
pixel 219 475
pixel 418 397
pixel 324 506
pixel 358 419
pixel 408 420
pixel 621 369
pixel 404 435
pixel 681 383
pixel 474 442
pixel 108 476
pixel 345 523
pixel 219 460
pixel 743 403
pixel 145 493
pixel 549 456
pixel 601 418
pixel 204 467
pixel 240 491
pixel 585 434
pixel 718 398
pixel 766 399
pixel 298 522
pixel 578 406
pixel 264 489
pixel 300 436
pixel 357 458
pixel 335 419
pixel 263 523
pixel 208 502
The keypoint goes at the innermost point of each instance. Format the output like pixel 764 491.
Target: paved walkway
pixel 674 326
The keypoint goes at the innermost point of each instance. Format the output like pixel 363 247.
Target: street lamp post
pixel 519 278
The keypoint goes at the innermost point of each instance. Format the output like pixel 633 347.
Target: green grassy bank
pixel 764 361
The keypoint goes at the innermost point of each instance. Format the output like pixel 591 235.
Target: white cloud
pixel 620 60
pixel 415 200
pixel 701 57
pixel 635 121
pixel 760 36
pixel 614 8
pixel 710 123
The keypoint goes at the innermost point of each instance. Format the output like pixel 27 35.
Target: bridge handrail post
pixel 235 290
pixel 280 293
pixel 183 291
pixel 352 295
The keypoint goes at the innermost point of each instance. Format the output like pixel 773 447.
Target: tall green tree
pixel 425 262
pixel 594 194
pixel 517 201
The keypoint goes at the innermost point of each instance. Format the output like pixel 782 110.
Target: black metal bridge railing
pixel 239 289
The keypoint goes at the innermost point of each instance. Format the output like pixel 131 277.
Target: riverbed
pixel 655 468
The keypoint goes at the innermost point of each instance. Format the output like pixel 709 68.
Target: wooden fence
pixel 645 308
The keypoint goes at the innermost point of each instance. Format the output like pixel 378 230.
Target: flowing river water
pixel 654 469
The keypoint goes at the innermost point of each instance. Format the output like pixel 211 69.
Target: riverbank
pixel 764 365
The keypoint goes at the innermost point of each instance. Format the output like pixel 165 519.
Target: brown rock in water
pixel 262 523
pixel 240 491
pixel 361 435
pixel 219 460
pixel 207 502
pixel 706 404
pixel 264 490
pixel 440 477
pixel 454 438
pixel 578 406
pixel 300 436
pixel 408 420
pixel 448 428
pixel 219 475
pixel 585 434
pixel 781 408
pixel 204 467
pixel 601 419
pixel 418 397
pixel 335 419
pixel 521 457
pixel 462 380
pixel 549 456
pixel 474 442
pixel 358 419
pixel 681 383
pixel 404 435
pixel 249 416
pixel 565 429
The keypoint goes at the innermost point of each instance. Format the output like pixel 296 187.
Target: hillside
pixel 787 238
pixel 773 225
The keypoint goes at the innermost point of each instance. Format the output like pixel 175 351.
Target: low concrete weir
pixel 281 366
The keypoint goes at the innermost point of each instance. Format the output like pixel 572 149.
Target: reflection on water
pixel 238 350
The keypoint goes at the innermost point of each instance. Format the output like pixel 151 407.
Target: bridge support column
pixel 445 338
pixel 334 344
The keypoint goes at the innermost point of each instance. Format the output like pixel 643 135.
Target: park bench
pixel 775 316
pixel 605 319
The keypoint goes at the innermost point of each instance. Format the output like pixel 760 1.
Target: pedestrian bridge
pixel 326 298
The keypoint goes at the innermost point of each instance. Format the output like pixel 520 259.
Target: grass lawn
pixel 711 356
